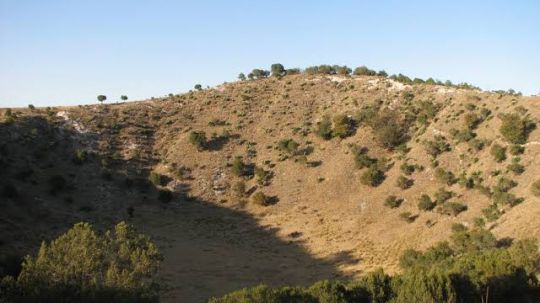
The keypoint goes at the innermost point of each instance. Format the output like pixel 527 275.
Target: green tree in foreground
pixel 83 266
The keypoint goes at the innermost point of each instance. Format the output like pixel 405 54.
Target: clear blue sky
pixel 67 52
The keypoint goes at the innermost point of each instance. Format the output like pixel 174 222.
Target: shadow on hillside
pixel 209 250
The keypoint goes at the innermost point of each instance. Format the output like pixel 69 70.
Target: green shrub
pixel 443 195
pixel 277 70
pixel 364 71
pixel 289 146
pixel 404 182
pixel 343 126
pixel 373 176
pixel 407 169
pixel 83 266
pixel 238 166
pixel 492 213
pixel 516 129
pixel 498 152
pixel 263 176
pixel 389 130
pixel 392 201
pixel 436 146
pixel 198 139
pixel 451 208
pixel 535 188
pixel 446 177
pixel 424 286
pixel 324 128
pixel 472 121
pixel 361 158
pixel 425 203
pixel 516 167
pixel 260 198
pixel 157 179
pixel 516 149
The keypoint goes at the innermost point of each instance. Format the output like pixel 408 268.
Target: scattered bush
pixel 407 169
pixel 516 167
pixel 498 152
pixel 389 130
pixel 392 201
pixel 277 70
pixel 447 177
pixel 364 71
pixel 516 149
pixel 443 195
pixel 260 198
pixel 492 213
pixel 361 158
pixel 425 203
pixel 516 129
pixel 157 179
pixel 198 139
pixel 263 176
pixel 436 146
pixel 289 146
pixel 343 126
pixel 238 166
pixel 404 182
pixel 452 208
pixel 373 176
pixel 324 128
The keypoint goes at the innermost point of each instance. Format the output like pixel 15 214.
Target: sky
pixel 68 52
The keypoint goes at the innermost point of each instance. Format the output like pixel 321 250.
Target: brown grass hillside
pixel 91 163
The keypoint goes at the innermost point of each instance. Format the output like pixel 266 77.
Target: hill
pixel 353 170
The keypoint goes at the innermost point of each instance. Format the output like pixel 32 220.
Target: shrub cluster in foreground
pixel 83 266
pixel 472 267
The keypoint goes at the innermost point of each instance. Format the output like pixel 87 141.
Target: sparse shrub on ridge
pixel 444 176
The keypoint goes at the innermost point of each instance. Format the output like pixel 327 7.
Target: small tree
pixel 241 77
pixel 238 166
pixel 277 70
pixel 124 98
pixel 101 98
pixel 198 87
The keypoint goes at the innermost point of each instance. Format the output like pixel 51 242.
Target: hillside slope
pixel 91 163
